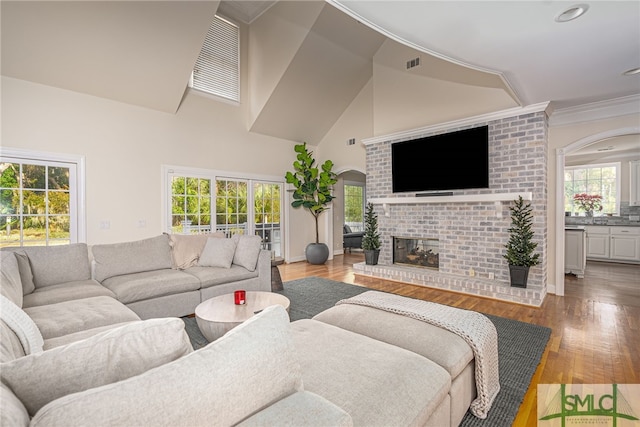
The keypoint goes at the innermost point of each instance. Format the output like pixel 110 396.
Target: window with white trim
pixel 354 206
pixel 601 179
pixel 38 201
pixel 232 200
pixel 190 204
pixel 203 201
pixel 217 70
pixel 267 202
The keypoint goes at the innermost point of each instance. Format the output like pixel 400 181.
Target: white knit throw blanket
pixel 476 329
pixel 22 325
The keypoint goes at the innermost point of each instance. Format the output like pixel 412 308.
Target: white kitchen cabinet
pixel 614 243
pixel 634 184
pixel 575 256
pixel 625 243
pixel 597 242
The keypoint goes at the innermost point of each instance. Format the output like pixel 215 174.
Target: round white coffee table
pixel 216 316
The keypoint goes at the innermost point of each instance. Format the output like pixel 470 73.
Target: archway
pixel 560 162
pixel 350 177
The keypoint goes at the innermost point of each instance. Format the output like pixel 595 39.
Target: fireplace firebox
pixel 416 252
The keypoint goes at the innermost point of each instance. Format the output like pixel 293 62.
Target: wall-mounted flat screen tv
pixel 451 161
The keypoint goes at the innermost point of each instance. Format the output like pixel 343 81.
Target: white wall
pixel 404 99
pixel 356 122
pixel 125 147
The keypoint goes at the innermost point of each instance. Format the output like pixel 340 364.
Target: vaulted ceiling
pixel 137 52
pixel 570 63
pixel 142 53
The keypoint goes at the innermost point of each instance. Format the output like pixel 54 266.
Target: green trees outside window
pixel 190 203
pixel 354 206
pixel 192 212
pixel 599 180
pixel 35 204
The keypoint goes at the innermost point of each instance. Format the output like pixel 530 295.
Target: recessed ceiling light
pixel 572 13
pixel 632 71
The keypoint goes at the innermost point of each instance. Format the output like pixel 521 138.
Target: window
pixel 354 206
pixel 217 70
pixel 231 206
pixel 267 203
pixel 38 200
pixel 241 205
pixel 602 179
pixel 190 205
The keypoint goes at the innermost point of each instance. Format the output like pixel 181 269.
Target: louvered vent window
pixel 217 70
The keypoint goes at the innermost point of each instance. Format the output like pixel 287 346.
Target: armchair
pixel 351 239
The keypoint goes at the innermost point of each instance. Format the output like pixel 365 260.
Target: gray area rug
pixel 520 345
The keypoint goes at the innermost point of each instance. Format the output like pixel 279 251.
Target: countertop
pixel 573 226
pixel 571 221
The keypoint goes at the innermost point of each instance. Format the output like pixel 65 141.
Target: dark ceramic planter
pixel 519 276
pixel 317 253
pixel 371 256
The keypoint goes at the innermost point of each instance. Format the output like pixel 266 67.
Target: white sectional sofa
pixel 97 363
pixel 156 277
pixel 169 275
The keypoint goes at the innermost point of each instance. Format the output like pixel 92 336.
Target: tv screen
pixel 450 161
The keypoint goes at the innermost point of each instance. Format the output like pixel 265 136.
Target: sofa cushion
pixel 248 369
pixel 187 248
pixel 218 253
pixel 26 276
pixel 247 251
pixel 102 359
pixel 356 373
pixel 10 283
pixel 67 317
pixel 81 335
pixel 437 344
pixel 212 276
pixel 22 326
pixel 66 292
pixel 150 284
pixel 117 259
pixel 51 265
pixel 13 412
pixel 300 409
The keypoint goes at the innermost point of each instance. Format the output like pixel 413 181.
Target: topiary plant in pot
pixel 371 238
pixel 520 247
pixel 312 190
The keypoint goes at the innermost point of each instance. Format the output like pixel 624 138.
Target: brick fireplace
pixel 471 231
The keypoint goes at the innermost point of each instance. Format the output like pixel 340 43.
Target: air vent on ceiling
pixel 413 63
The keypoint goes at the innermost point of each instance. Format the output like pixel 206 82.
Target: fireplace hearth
pixel 416 252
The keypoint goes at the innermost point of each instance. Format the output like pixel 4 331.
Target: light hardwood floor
pixel 595 335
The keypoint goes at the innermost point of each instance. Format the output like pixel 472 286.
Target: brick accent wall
pixel 472 234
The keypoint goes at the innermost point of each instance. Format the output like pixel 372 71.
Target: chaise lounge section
pixel 445 349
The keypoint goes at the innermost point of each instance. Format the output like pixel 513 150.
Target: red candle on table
pixel 239 297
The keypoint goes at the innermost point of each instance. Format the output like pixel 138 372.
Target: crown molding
pixel 483 118
pixel 596 111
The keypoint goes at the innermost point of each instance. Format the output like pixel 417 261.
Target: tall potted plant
pixel 312 191
pixel 520 247
pixel 371 238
